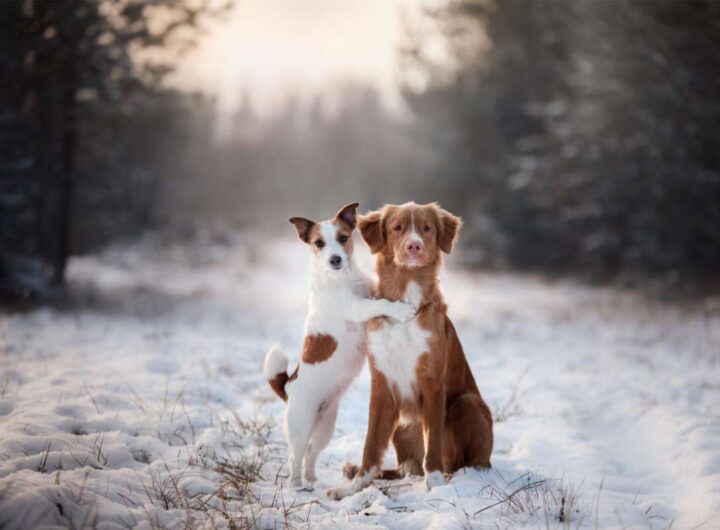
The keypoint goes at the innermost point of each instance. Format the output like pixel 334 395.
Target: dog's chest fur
pixel 396 346
pixel 327 316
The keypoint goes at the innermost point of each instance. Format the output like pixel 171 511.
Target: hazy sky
pixel 273 48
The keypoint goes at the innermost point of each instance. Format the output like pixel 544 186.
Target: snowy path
pixel 143 404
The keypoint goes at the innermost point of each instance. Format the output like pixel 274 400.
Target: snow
pixel 143 404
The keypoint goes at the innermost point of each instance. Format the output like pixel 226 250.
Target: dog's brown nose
pixel 414 247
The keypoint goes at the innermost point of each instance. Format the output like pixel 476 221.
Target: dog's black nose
pixel 335 261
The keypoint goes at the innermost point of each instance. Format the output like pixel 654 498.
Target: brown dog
pixel 423 394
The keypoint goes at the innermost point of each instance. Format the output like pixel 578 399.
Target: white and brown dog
pixel 334 348
pixel 423 395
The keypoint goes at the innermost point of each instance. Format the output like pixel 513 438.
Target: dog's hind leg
pixel 409 448
pixel 320 437
pixel 299 420
pixel 468 434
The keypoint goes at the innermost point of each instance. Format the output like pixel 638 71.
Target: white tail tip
pixel 275 362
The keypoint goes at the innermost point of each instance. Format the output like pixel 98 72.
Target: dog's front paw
pixel 402 311
pixel 433 479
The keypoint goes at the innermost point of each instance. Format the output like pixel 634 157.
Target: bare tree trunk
pixel 62 251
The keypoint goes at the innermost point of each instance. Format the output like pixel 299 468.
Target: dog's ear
pixel 448 229
pixel 372 228
pixel 348 214
pixel 303 227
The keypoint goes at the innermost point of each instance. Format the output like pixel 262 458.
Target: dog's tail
pixel 275 370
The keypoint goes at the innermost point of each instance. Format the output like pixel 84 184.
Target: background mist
pixel 574 137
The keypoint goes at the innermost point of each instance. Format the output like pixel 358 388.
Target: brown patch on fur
pixel 278 383
pixel 455 424
pixel 345 221
pixel 348 215
pixel 318 348
pixel 313 237
pixel 344 231
pixel 308 231
pixel 303 227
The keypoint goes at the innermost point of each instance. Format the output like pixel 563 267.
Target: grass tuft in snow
pixel 511 407
pixel 527 497
pixel 239 473
pixel 231 501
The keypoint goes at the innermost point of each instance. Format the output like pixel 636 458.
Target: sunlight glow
pixel 271 50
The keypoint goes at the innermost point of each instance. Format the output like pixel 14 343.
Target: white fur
pixel 276 362
pixel 339 306
pixel 413 237
pixel 332 247
pixel 396 346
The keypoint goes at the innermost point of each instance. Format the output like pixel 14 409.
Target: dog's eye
pixel 342 239
pixel 398 227
pixel 319 243
pixel 426 228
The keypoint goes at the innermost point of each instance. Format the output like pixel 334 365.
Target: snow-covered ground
pixel 142 403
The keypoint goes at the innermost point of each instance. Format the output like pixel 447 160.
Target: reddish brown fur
pixel 304 227
pixel 278 383
pixel 454 423
pixel 348 215
pixel 317 348
pixel 344 230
